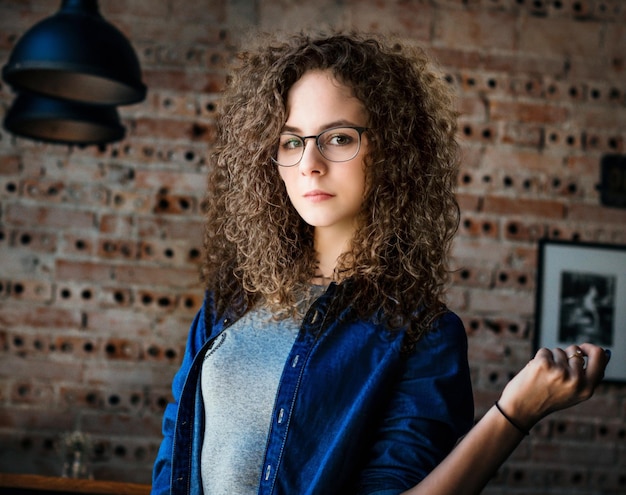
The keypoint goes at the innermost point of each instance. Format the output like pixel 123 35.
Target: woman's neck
pixel 329 247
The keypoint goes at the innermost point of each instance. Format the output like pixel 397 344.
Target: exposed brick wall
pixel 99 247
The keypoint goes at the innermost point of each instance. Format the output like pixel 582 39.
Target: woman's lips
pixel 317 196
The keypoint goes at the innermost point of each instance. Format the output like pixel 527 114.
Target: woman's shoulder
pixel 448 321
pixel 446 332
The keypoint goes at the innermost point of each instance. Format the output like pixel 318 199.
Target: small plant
pixel 76 450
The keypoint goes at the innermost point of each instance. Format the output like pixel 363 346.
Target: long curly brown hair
pixel 257 246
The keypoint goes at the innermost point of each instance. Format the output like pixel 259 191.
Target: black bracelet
pixel 508 418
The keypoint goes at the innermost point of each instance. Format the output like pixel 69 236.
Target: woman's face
pixel 327 194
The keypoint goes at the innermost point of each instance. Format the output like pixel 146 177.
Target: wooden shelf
pixel 26 484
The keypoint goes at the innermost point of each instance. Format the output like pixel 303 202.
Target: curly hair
pixel 257 246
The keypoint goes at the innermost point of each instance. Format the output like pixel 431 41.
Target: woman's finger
pixel 544 353
pixel 597 360
pixel 561 355
pixel 576 358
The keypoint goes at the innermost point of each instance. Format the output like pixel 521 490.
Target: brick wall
pixel 99 247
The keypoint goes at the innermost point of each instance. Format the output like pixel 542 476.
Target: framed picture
pixel 581 297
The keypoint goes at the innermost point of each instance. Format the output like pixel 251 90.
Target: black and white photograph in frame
pixel 581 297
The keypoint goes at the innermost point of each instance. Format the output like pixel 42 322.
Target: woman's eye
pixel 290 143
pixel 338 139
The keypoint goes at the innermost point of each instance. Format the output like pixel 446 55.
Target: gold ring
pixel 578 354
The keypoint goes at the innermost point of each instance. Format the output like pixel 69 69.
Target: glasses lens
pixel 339 144
pixel 290 150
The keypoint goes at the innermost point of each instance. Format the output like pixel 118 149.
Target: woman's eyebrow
pixel 330 125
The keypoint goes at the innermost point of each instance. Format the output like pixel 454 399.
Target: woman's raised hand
pixel 553 380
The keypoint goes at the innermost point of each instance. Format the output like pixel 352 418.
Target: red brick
pixel 31 290
pixel 173 327
pixel 31 391
pixel 117 323
pixel 522 230
pixel 125 373
pixel 515 206
pixel 120 424
pixel 9 164
pixel 129 201
pixel 456 298
pixel 456 57
pixel 30 316
pixel 523 63
pixel 84 271
pixel 32 419
pixel 173 129
pixel 503 302
pixel 554 36
pixel 34 240
pixel 119 225
pixel 54 370
pixel 468 202
pixel 598 118
pixel 176 278
pixel 459 28
pixel 614 36
pixel 181 80
pixel 596 213
pixel 173 253
pixel 187 228
pixel 486 250
pixel 414 18
pixel 523 135
pixel 515 111
pixel 477 225
pixel 472 108
pixel 113 9
pixel 171 180
pixel 82 168
pixel 471 156
pixel 583 164
pixel 515 159
pixel 49 216
pixel 472 276
pixel 77 245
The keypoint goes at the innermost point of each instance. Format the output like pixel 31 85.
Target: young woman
pixel 324 359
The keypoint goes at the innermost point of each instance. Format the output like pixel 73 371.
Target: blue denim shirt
pixel 353 415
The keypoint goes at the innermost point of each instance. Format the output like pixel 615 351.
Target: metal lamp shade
pixel 76 55
pixel 61 121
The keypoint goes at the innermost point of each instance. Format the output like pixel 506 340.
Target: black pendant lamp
pixel 59 121
pixel 78 65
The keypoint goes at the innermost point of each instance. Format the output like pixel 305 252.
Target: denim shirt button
pixel 295 360
pixel 281 416
pixel 268 472
pixel 226 321
pixel 315 317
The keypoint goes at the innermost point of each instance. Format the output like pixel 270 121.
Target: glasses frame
pixel 360 130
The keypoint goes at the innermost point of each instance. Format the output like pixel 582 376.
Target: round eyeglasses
pixel 337 144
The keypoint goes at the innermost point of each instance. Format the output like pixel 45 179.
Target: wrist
pixel 514 422
pixel 525 408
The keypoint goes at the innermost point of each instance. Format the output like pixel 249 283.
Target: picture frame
pixel 581 297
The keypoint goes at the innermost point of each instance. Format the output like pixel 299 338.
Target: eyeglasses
pixel 337 144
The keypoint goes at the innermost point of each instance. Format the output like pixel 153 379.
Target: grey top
pixel 239 380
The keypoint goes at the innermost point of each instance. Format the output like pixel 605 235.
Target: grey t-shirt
pixel 239 380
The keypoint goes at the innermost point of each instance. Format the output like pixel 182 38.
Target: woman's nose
pixel 312 161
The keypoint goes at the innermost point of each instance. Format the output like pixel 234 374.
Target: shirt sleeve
pixel 431 407
pixel 162 468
